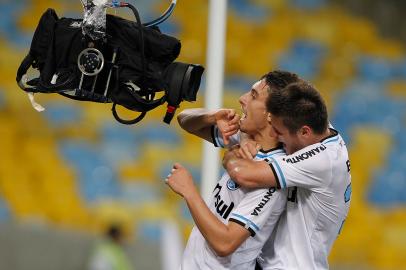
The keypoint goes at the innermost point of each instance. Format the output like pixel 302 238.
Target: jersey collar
pixel 334 133
pixel 278 147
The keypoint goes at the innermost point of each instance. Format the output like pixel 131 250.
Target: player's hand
pixel 248 149
pixel 180 181
pixel 228 122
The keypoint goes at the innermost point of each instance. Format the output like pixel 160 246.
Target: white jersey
pixel 256 210
pixel 319 182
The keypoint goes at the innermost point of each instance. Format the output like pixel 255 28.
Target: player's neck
pixel 267 142
pixel 319 137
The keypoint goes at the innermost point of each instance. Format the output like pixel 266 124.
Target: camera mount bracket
pixel 90 61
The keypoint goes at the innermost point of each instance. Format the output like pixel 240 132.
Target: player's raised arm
pixel 200 122
pixel 247 172
pixel 224 239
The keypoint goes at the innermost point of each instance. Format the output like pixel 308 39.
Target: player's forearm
pixel 248 173
pixel 217 234
pixel 197 121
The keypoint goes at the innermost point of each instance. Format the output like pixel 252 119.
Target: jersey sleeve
pixel 217 138
pixel 308 168
pixel 257 207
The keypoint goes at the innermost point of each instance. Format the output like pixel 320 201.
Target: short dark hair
pixel 299 104
pixel 279 79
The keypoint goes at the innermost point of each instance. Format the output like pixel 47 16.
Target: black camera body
pixel 127 66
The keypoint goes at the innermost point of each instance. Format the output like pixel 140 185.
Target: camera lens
pixel 183 82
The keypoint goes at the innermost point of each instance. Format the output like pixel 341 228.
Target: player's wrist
pixel 221 114
pixel 217 115
pixel 211 118
pixel 191 194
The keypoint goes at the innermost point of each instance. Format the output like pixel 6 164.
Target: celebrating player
pixel 231 231
pixel 316 172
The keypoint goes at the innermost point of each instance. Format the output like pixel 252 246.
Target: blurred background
pixel 70 172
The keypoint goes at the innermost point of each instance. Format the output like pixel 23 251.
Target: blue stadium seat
pixel 298 65
pixel 147 9
pixel 100 188
pixel 157 132
pixel 303 58
pixel 307 49
pixel 60 113
pixel 115 153
pixel 97 179
pixel 353 107
pixel 166 168
pixel 185 212
pixel 248 10
pixel 78 152
pixel 388 188
pixel 150 231
pixel 114 131
pixel 4 211
pixel 138 193
pixel 239 83
pixel 8 25
pixel 170 27
pixel 376 69
pixel 401 69
pixel 119 143
pixel 397 158
pixel 400 139
pixel 308 4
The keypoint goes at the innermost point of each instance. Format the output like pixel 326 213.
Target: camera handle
pixel 126 122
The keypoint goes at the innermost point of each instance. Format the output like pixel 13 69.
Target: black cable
pixel 141 39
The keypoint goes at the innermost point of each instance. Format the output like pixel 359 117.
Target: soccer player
pixel 316 172
pixel 231 231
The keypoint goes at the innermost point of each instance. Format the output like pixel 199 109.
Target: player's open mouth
pixel 243 115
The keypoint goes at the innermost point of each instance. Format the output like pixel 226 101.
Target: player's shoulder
pixel 311 154
pixel 336 148
pixel 317 152
pixel 333 139
pixel 313 158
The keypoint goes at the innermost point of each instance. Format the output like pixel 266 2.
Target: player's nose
pixel 243 99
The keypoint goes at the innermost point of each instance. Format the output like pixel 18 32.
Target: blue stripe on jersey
pixel 341 227
pixel 217 137
pixel 213 135
pixel 279 171
pixel 334 139
pixel 246 221
pixel 260 155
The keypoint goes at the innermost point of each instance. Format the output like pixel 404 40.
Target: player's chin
pixel 243 122
pixel 243 128
pixel 247 130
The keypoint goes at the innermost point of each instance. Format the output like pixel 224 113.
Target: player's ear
pixel 269 118
pixel 305 131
